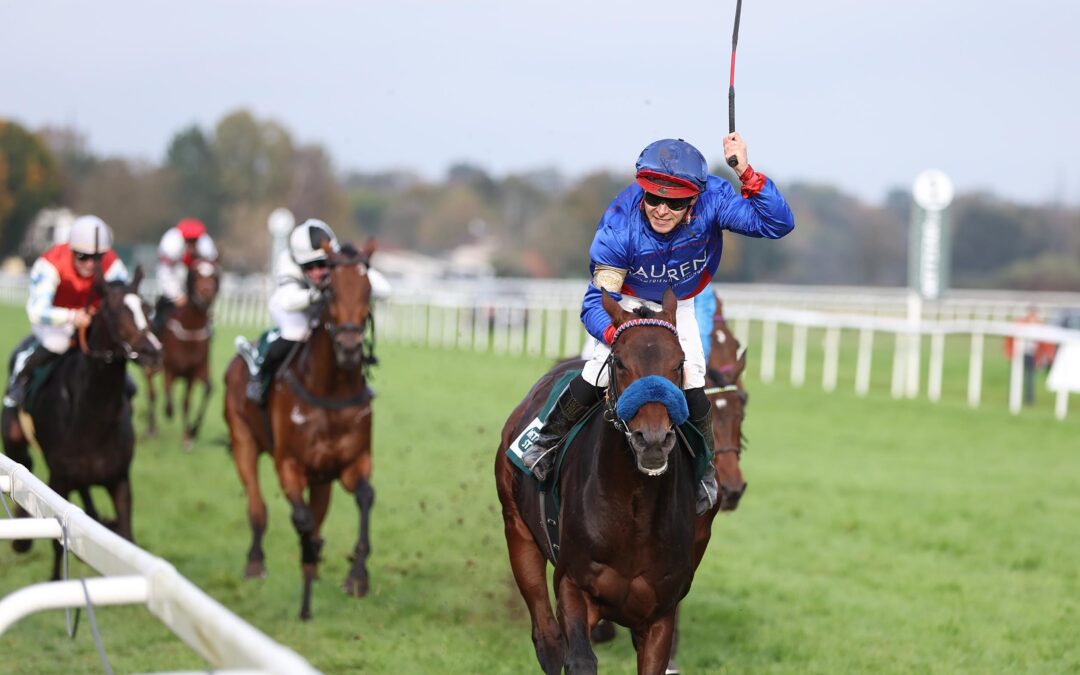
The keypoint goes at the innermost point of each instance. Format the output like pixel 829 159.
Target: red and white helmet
pixel 89 235
pixel 191 228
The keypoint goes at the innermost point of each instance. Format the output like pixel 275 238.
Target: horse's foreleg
pixel 653 644
pixel 17 448
pixel 293 482
pixel 246 458
pixel 120 491
pixel 151 411
pixel 356 582
pixel 574 619
pixel 185 413
pixel 196 424
pixel 357 479
pixel 672 666
pixel 167 388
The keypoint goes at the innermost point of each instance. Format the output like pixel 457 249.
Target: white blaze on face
pixel 134 303
pixel 205 268
pixel 721 403
pixel 721 337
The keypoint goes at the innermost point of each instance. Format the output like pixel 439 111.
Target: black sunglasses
pixel 83 257
pixel 313 265
pixel 675 204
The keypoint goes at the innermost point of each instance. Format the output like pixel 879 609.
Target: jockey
pixel 180 247
pixel 664 231
pixel 61 282
pixel 301 275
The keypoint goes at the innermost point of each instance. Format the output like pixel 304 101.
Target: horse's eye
pixel 618 363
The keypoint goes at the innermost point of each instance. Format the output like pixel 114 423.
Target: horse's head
pixel 729 401
pixel 204 280
pixel 120 326
pixel 646 380
pixel 348 302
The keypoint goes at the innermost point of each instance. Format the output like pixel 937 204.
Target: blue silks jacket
pixel 684 259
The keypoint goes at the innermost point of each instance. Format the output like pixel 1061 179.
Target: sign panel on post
pixel 928 259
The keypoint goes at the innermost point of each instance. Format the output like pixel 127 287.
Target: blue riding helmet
pixel 672 168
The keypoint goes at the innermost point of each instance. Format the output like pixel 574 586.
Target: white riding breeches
pixel 686 323
pixel 57 339
pixel 294 326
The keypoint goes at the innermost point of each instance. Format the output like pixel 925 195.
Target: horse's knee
pixel 365 494
pixel 303 519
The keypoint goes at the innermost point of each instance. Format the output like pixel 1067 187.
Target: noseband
pixel 611 404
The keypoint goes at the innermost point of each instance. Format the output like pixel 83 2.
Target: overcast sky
pixel 862 94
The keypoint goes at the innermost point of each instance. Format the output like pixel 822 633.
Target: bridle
pixel 365 331
pixel 611 400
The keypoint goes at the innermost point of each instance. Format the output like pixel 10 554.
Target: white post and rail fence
pixel 130 575
pixel 540 318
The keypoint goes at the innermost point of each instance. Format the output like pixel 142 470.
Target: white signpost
pixel 928 261
pixel 280 223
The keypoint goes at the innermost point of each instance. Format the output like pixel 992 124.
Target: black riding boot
pixel 701 417
pixel 574 401
pixel 20 380
pixel 259 386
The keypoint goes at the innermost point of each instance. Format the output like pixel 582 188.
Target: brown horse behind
pixel 317 424
pixel 627 511
pixel 185 338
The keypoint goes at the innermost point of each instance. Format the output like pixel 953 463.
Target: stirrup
pixel 249 354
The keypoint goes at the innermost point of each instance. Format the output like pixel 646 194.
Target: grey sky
pixel 859 93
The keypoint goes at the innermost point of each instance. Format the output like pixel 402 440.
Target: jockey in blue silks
pixel 664 231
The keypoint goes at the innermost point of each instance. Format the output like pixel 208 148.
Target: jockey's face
pixel 316 272
pixel 189 247
pixel 662 217
pixel 86 263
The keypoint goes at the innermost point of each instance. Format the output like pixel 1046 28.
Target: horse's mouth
pixel 656 470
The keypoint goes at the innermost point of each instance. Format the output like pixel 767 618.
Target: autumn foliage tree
pixel 28 182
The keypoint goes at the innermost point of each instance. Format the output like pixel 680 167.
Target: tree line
pixel 541 222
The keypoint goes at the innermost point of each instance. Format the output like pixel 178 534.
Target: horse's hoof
pixel 604 632
pixel 305 616
pixel 22 545
pixel 672 668
pixel 255 570
pixel 356 588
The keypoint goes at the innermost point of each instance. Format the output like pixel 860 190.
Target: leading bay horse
pixel 81 416
pixel 627 509
pixel 185 338
pixel 316 425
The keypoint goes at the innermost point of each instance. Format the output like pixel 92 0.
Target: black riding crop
pixel 733 161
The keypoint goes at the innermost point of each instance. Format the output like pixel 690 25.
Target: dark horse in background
pixel 317 423
pixel 185 339
pixel 626 515
pixel 81 415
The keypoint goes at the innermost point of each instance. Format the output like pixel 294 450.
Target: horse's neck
pixel 96 387
pixel 615 475
pixel 318 369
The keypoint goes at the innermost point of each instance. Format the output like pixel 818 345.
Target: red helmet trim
pixel 665 185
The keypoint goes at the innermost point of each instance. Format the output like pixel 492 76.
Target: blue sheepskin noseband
pixel 653 389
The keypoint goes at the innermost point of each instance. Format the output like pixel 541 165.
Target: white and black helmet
pixel 306 240
pixel 89 235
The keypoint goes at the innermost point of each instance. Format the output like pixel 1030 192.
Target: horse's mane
pixel 644 312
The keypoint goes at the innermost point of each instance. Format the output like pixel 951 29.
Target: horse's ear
pixel 719 305
pixel 740 365
pixel 137 279
pixel 369 247
pixel 327 247
pixel 611 306
pixel 671 303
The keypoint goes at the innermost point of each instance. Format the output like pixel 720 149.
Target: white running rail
pixel 131 576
